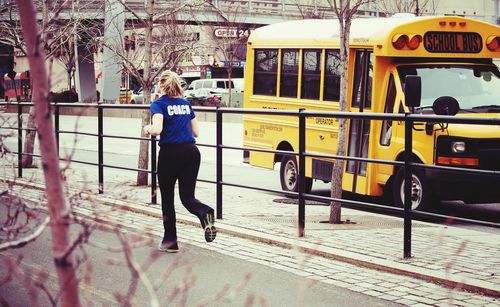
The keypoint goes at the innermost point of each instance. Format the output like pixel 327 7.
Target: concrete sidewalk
pixel 447 255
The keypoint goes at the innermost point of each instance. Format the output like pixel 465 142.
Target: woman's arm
pixel 195 128
pixel 157 126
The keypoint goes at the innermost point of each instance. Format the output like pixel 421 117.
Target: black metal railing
pixel 409 119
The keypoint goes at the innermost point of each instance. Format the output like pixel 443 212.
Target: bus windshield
pixel 475 87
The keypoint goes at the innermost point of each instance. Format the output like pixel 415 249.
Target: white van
pixel 199 88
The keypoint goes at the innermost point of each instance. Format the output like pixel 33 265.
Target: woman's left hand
pixel 147 129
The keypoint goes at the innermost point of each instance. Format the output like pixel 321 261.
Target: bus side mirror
pixel 413 91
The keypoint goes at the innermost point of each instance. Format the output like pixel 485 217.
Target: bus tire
pixel 422 197
pixel 289 175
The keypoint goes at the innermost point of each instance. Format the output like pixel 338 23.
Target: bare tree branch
pixel 58 209
pixel 23 241
pixel 137 273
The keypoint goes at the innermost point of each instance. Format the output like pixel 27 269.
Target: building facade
pixel 215 36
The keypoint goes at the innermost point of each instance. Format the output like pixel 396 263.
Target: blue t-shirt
pixel 177 116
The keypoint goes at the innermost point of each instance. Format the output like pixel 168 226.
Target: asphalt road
pixel 195 274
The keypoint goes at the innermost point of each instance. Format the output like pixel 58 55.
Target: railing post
pixel 302 168
pixel 56 124
pixel 153 170
pixel 218 140
pixel 19 140
pixel 408 186
pixel 100 147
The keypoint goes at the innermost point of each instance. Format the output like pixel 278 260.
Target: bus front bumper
pixel 469 187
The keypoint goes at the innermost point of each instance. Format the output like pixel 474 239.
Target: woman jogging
pixel 174 121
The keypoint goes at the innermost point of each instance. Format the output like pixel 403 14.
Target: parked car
pixel 199 88
pixel 205 97
pixel 239 84
pixel 138 96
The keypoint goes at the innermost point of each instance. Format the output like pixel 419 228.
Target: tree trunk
pixel 68 71
pixel 59 211
pixel 29 141
pixel 142 177
pixel 229 78
pixel 338 168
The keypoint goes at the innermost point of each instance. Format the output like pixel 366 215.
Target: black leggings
pixel 179 162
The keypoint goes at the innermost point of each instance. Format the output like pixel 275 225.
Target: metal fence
pixel 409 119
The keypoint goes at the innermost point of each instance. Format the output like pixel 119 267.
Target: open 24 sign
pixel 231 32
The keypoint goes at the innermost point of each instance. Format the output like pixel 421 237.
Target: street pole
pixel 497 18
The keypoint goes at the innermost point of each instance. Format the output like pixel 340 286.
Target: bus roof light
pixel 399 41
pixel 414 41
pixel 493 43
pixel 462 23
pixel 442 23
pixel 453 23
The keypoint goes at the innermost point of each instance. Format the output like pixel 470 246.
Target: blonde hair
pixel 170 84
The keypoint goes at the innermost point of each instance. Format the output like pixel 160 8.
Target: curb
pixel 452 282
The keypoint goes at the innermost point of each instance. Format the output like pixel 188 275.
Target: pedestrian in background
pixel 173 119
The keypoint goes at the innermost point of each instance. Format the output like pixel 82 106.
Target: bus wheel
pixel 289 175
pixel 421 194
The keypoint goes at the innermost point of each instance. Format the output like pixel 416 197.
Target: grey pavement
pixel 449 267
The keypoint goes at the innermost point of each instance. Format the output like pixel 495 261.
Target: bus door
pixel 355 176
pixel 389 141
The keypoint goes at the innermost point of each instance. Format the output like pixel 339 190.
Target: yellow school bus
pixel 296 64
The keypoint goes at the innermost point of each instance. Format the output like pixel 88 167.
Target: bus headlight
pixel 458 147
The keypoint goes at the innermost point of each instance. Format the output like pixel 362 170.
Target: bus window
pixel 332 75
pixel 472 85
pixel 363 76
pixel 265 72
pixel 289 73
pixel 386 133
pixel 311 72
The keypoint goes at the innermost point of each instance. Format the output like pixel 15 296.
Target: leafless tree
pixel 345 11
pixel 57 38
pixel 311 9
pixel 145 65
pixel 61 216
pixel 58 207
pixel 409 6
pixel 231 42
pixel 173 39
